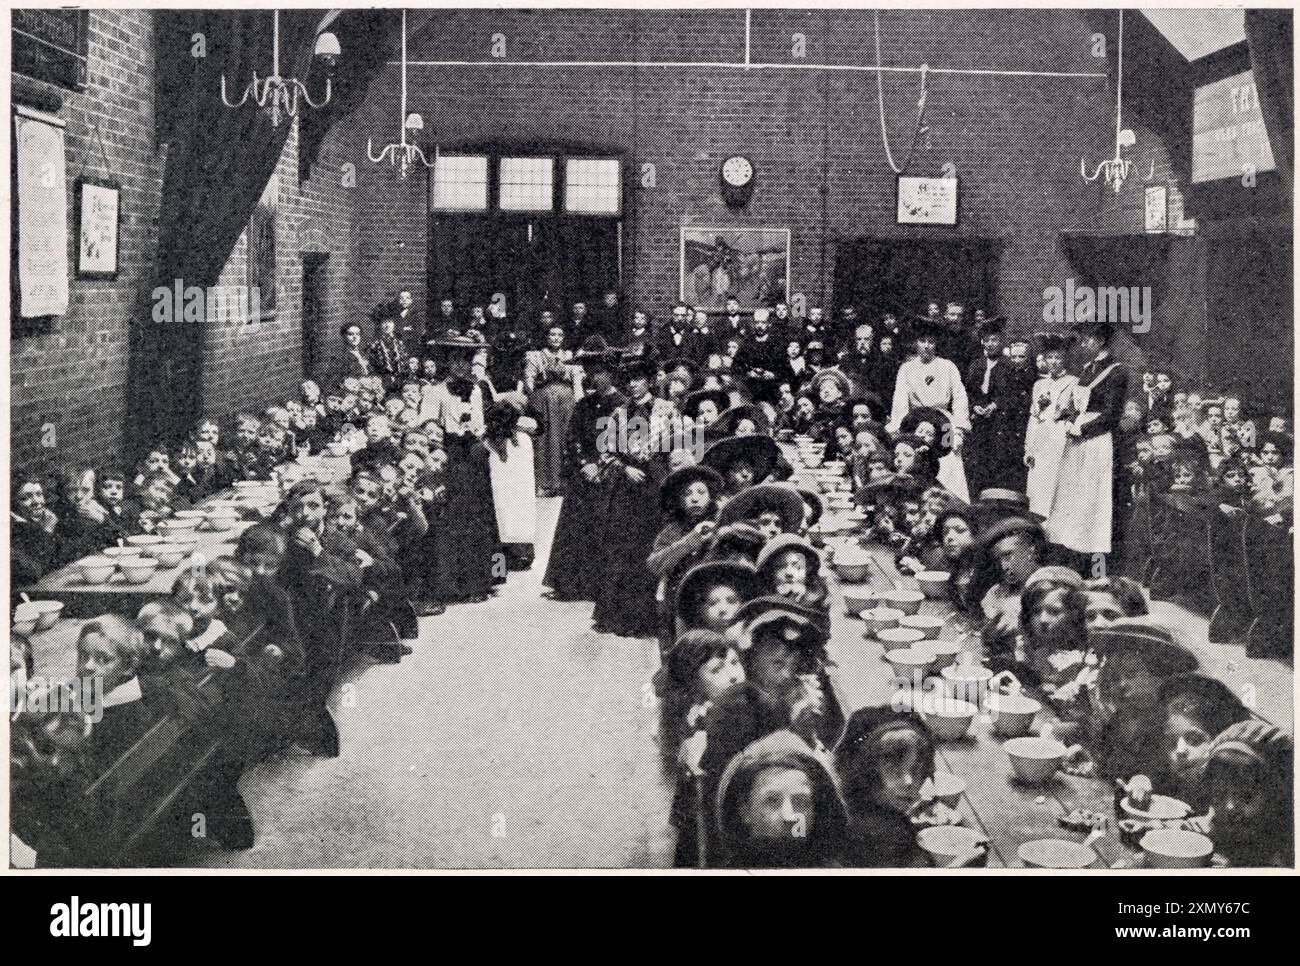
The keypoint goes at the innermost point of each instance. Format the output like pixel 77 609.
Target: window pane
pixel 593 186
pixel 527 184
pixel 460 183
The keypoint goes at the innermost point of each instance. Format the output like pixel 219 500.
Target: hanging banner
pixel 42 217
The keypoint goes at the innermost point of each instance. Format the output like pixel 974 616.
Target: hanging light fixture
pixel 280 92
pixel 403 152
pixel 1115 169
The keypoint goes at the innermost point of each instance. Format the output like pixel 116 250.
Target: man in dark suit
pixel 760 359
pixel 672 340
pixel 409 324
pixel 986 390
pixel 609 318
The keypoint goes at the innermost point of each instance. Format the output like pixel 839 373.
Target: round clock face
pixel 737 171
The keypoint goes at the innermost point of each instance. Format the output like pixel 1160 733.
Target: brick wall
pixel 73 378
pixel 1015 142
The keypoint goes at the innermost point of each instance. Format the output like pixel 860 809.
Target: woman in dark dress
pixel 467 538
pixel 625 604
pixel 570 573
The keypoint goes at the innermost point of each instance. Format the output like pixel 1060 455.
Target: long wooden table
pixel 82 599
pixel 995 802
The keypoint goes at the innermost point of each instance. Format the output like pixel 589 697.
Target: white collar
pixel 124 693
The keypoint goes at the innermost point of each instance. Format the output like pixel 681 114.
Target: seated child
pixel 86 525
pixel 882 761
pixel 699 667
pixel 191 486
pixel 1195 708
pixel 35 545
pixel 778 807
pixel 711 593
pixel 154 497
pixel 1248 783
pixel 110 651
pixel 791 567
pixel 157 461
pixel 124 513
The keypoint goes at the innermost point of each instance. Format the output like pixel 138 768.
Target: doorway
pixel 536 262
pixel 903 274
pixel 313 302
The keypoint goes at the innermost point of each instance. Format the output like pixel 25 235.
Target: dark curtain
pixel 903 274
pixel 1269 34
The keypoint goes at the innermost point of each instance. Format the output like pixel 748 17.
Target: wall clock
pixel 737 176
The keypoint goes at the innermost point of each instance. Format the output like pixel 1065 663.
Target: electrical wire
pixel 880 100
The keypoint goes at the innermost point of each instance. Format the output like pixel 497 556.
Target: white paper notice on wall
pixel 927 201
pixel 42 216
pixel 1157 208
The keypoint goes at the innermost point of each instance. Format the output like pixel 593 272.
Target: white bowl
pixel 139 571
pixel 945 652
pixel 943 843
pixel 1056 854
pixel 909 662
pixel 899 637
pixel 811 458
pixel 118 554
pixel 1162 807
pixel 177 528
pixel 969 682
pixel 944 787
pixel 171 554
pixel 858 599
pixel 850 572
pixel 908 601
pixel 95 570
pixel 948 719
pixel 933 583
pixel 1171 848
pixel 26 617
pixel 144 540
pixel 879 619
pixel 1035 760
pixel 196 515
pixel 932 626
pixel 48 612
pixel 1013 714
pixel 222 520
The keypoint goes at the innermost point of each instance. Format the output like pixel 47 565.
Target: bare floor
pixel 514 736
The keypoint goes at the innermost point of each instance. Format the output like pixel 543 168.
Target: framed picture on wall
pixel 750 264
pixel 98 227
pixel 926 201
pixel 1157 208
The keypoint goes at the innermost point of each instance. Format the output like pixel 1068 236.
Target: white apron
pixel 514 490
pixel 1080 516
pixel 1045 442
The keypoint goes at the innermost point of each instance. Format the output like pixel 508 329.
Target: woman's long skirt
pixel 469 533
pixel 1049 447
pixel 514 491
pixel 574 569
pixel 1082 505
pixel 554 404
pixel 625 603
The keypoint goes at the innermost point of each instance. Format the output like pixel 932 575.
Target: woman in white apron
pixel 510 464
pixel 1045 434
pixel 1081 518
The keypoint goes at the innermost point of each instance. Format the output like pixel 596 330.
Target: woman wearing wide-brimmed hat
pixel 573 571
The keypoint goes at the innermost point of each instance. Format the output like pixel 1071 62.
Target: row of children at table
pixel 763 755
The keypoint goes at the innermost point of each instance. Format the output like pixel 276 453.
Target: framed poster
pixel 99 227
pixel 927 201
pixel 750 264
pixel 40 250
pixel 1157 208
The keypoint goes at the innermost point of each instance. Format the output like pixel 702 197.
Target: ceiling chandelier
pixel 402 152
pixel 280 92
pixel 1115 169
